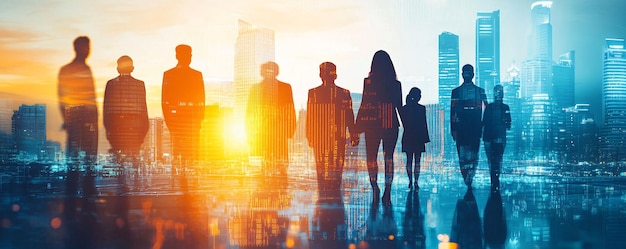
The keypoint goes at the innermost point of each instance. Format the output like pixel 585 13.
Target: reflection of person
pixel 329 228
pixel 495 229
pixel 378 118
pixel 496 120
pixel 182 100
pixel 466 227
pixel 466 109
pixel 413 222
pixel 77 101
pixel 329 114
pixel 415 134
pixel 271 119
pixel 125 113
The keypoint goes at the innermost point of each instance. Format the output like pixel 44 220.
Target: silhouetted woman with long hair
pixel 378 118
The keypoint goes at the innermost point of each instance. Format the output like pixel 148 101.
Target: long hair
pixel 382 67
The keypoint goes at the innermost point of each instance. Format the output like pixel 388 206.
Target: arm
pixel 425 122
pixel 349 119
pixel 165 99
pixel 200 96
pixel 145 123
pixel 453 115
pixel 291 113
pixel 106 105
pixel 507 117
pixel 310 132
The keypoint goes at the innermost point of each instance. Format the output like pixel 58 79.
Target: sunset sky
pixel 36 40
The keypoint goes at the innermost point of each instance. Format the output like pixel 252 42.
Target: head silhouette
pixel 414 96
pixel 498 93
pixel 125 65
pixel 328 72
pixel 81 47
pixel 183 54
pixel 467 72
pixel 269 70
pixel 382 67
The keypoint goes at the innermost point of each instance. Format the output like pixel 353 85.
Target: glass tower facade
pixel 488 51
pixel 563 80
pixel 29 130
pixel 254 46
pixel 537 70
pixel 448 79
pixel 614 99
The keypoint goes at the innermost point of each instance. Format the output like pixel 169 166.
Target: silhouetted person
pixel 495 228
pixel 466 111
pixel 125 113
pixel 329 114
pixel 496 121
pixel 378 118
pixel 466 227
pixel 182 100
pixel 77 102
pixel 415 134
pixel 413 223
pixel 271 119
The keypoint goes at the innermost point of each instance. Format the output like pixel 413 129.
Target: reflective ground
pixel 232 209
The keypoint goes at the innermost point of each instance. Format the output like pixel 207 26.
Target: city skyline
pixel 35 52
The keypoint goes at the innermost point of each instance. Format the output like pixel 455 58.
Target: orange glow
pixel 6 223
pixel 290 243
pixel 15 208
pixel 55 223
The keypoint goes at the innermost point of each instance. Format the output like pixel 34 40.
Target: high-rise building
pixel 449 78
pixel 563 80
pixel 435 120
pixel 577 135
pixel 537 134
pixel 613 96
pixel 537 70
pixel 156 146
pixel 6 111
pixel 488 50
pixel 29 130
pixel 511 87
pixel 254 46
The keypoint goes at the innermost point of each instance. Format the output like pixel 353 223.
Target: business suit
pixel 329 114
pixel 125 114
pixel 182 100
pixel 271 121
pixel 466 109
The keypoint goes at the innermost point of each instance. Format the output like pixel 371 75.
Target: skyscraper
pixel 29 130
pixel 613 95
pixel 537 70
pixel 488 50
pixel 254 46
pixel 448 80
pixel 563 80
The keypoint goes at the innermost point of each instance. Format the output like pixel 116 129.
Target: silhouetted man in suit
pixel 329 114
pixel 496 121
pixel 125 114
pixel 182 100
pixel 271 119
pixel 466 111
pixel 77 102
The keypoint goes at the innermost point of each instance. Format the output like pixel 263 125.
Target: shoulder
pixel 284 85
pixel 343 90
